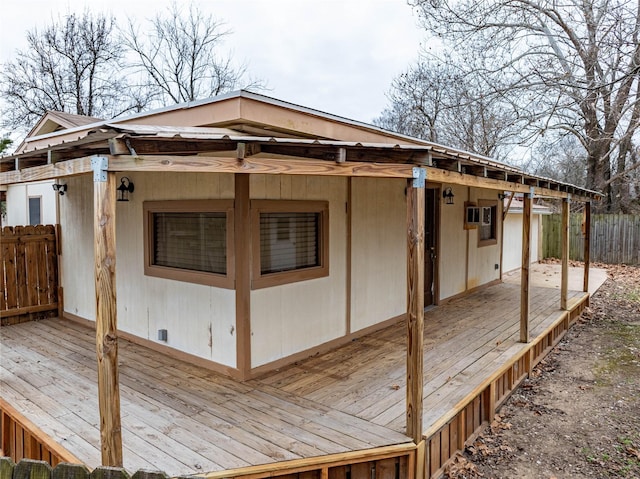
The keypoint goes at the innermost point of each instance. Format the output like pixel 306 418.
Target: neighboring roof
pixel 53 121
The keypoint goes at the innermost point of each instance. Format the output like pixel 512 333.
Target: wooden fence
pixel 29 272
pixel 392 468
pixel 615 238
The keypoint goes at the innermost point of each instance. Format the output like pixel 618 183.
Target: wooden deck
pixel 183 419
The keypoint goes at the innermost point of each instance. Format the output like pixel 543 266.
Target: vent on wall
pixel 162 335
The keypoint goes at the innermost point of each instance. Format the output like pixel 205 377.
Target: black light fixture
pixel 501 196
pixel 60 189
pixel 447 194
pixel 126 187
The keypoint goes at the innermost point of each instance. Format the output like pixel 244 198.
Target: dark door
pixel 430 244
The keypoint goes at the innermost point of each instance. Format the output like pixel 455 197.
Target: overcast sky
pixel 338 56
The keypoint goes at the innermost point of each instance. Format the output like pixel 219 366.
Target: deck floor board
pixel 184 419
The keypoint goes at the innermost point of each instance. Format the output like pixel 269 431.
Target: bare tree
pixel 437 100
pixel 571 65
pixel 73 65
pixel 180 58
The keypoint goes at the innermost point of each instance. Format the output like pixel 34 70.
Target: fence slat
pixel 28 272
pixel 615 238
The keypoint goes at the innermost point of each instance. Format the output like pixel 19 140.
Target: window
pixel 35 210
pixel 487 229
pixel 190 241
pixel 290 241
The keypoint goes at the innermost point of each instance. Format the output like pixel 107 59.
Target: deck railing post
pixel 566 238
pixel 525 273
pixel 587 245
pixel 415 302
pixel 104 230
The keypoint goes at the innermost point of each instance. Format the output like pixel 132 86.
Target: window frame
pixel 266 280
pixel 482 204
pixel 178 274
pixel 29 211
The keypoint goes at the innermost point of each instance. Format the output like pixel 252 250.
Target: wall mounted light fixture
pixel 126 187
pixel 60 189
pixel 448 195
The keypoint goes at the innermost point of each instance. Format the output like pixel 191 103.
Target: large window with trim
pixel 290 241
pixel 190 241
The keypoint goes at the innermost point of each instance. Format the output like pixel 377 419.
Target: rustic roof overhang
pixel 170 148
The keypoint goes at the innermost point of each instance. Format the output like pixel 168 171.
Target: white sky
pixel 338 56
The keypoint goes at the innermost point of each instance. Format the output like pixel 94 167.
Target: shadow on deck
pixel 328 412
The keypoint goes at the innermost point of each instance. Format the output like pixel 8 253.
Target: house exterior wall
pixel 18 203
pixel 512 253
pixel 199 319
pixel 379 251
pixel 464 264
pixel 285 319
pixel 294 317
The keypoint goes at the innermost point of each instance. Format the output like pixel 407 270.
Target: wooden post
pixel 415 303
pixel 525 273
pixel 242 226
pixel 566 223
pixel 104 231
pixel 587 245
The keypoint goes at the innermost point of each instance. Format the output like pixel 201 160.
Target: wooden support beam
pixel 288 166
pixel 415 306
pixel 117 146
pixel 104 230
pixel 587 245
pixel 566 224
pixel 525 273
pixel 242 224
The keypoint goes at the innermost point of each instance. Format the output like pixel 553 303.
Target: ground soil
pixel 578 416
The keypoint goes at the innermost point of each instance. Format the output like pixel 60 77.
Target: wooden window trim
pixel 189 206
pixel 495 219
pixel 467 225
pixel 260 280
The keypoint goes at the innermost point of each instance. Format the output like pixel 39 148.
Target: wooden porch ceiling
pixel 184 419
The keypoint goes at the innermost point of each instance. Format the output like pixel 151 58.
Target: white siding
pixel 200 319
pixel 379 251
pixel 295 317
pixel 453 243
pixel 18 203
pixel 512 253
pixel 463 264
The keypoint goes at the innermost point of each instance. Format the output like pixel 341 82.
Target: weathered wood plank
pixel 106 321
pixel 415 309
pixel 566 225
pixel 525 273
pixel 587 245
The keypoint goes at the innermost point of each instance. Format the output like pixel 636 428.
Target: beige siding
pixel 76 222
pixel 295 317
pixel 379 251
pixel 512 253
pixel 483 259
pixel 463 264
pixel 199 319
pixel 453 244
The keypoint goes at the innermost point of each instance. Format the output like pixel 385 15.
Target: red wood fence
pixel 29 273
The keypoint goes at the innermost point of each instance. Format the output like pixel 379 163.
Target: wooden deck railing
pixel 394 462
pixel 460 427
pixel 21 439
pixel 29 272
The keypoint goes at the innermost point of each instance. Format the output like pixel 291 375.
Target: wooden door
pixel 430 244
